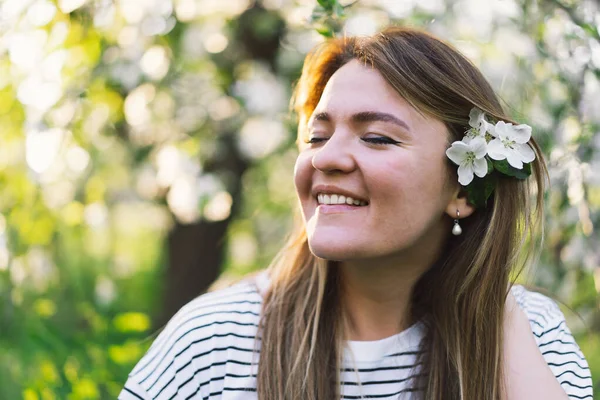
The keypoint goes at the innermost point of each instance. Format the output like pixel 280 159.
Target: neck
pixel 377 300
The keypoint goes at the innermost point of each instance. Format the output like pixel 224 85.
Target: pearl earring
pixel 456 229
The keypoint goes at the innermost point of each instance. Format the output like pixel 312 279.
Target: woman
pixel 395 284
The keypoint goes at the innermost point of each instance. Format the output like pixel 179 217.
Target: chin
pixel 333 251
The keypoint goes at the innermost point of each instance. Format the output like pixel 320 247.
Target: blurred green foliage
pixel 111 114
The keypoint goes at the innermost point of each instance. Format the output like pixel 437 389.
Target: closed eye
pixel 380 140
pixel 314 140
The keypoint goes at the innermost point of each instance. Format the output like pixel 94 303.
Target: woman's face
pixel 369 144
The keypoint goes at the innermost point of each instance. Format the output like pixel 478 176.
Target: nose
pixel 335 155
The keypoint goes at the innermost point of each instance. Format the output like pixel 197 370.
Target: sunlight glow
pixel 67 6
pixel 215 42
pixel 183 199
pixel 26 49
pixel 96 215
pixel 11 9
pixel 77 159
pixel 41 13
pixel 155 62
pixel 42 147
pixel 185 10
pixel 261 136
pixel 136 107
pixel 219 207
pixel 256 80
pixel 105 290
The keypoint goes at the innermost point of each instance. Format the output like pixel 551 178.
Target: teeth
pixel 339 199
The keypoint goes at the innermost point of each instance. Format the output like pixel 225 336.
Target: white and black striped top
pixel 206 352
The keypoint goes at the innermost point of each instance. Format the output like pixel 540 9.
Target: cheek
pixel 412 182
pixel 303 175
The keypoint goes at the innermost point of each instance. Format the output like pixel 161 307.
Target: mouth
pixel 339 199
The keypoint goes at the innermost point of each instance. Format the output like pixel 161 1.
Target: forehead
pixel 355 88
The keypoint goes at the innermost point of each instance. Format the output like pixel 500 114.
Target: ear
pixel 459 202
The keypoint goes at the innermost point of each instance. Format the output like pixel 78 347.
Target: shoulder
pixel 207 331
pixel 556 342
pixel 540 309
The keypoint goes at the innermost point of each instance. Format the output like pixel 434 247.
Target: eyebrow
pixel 366 116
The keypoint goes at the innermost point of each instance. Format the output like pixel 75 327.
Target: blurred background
pixel 146 148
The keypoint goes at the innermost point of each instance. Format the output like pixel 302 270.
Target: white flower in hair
pixel 479 125
pixel 510 143
pixel 470 158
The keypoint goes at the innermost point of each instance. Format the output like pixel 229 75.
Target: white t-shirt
pixel 206 352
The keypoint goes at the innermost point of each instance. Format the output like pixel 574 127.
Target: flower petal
pixel 502 130
pixel 480 167
pixel 521 133
pixel 479 147
pixel 475 117
pixel 514 159
pixel 496 150
pixel 485 127
pixel 525 152
pixel 457 153
pixel 465 174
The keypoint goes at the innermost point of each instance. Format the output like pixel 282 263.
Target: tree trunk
pixel 195 256
pixel 196 251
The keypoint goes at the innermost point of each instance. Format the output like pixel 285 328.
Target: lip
pixel 336 208
pixel 332 189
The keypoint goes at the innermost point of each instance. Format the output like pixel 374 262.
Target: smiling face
pixel 367 143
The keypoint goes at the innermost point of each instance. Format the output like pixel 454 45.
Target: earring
pixel 456 229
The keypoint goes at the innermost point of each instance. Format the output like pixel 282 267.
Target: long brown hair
pixel 460 298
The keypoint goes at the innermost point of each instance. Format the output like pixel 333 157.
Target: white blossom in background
pixel 260 136
pixel 10 10
pixel 136 106
pixel 41 269
pixel 223 108
pixel 261 91
pixel 590 104
pixel 104 14
pixel 18 271
pixel 26 49
pixel 146 183
pixel 243 249
pixel 188 187
pixel 37 74
pixel 41 12
pixel 183 199
pixel 67 6
pixel 398 9
pixel 147 14
pixel 155 62
pixel 172 163
pixel 96 215
pixel 58 194
pixel 4 252
pixel 195 9
pixel 191 46
pixel 192 197
pixel 43 147
pixel 105 290
pixel 77 159
pixel 362 24
pixel 194 93
pixel 218 207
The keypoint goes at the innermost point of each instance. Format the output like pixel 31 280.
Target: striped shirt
pixel 206 352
